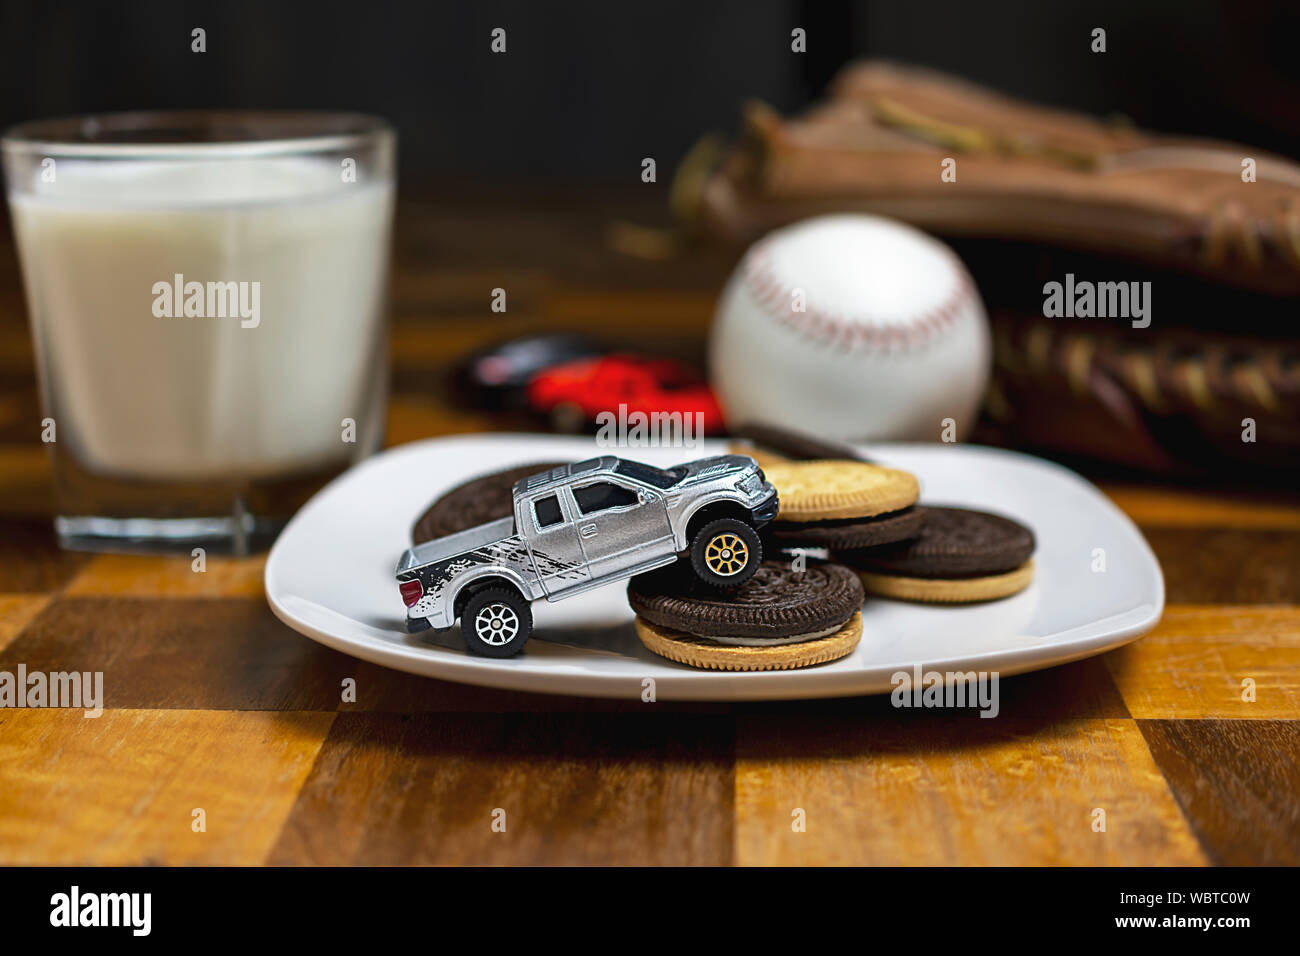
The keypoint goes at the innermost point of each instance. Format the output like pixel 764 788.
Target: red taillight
pixel 411 592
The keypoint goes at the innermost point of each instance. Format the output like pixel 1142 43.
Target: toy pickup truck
pixel 582 526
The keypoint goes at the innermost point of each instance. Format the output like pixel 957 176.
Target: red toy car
pixel 574 393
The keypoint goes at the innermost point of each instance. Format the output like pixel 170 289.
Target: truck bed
pixel 440 549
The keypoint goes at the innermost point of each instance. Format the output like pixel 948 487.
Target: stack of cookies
pixel 779 619
pixel 914 552
pixel 795 612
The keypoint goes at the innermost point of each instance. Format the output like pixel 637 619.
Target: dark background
pixel 586 89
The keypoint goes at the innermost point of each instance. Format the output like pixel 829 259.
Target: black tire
pixel 726 552
pixel 504 605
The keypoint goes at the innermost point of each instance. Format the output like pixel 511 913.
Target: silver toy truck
pixel 582 526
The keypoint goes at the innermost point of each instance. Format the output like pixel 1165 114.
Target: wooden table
pixel 213 704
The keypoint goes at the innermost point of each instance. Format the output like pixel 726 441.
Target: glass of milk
pixel 207 298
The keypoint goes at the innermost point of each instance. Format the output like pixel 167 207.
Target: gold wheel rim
pixel 726 554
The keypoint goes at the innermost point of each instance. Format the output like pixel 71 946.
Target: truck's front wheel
pixel 726 552
pixel 496 622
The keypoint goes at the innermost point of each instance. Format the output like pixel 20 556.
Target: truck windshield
pixel 658 477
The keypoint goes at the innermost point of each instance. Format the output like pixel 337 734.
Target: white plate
pixel 330 576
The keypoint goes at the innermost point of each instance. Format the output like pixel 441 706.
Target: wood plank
pixel 1228 566
pixel 31 560
pixel 653 322
pixel 412 418
pixel 652 311
pixel 1238 782
pixel 1165 507
pixel 567 237
pixel 121 789
pixel 451 293
pixel 20 412
pixel 384 690
pixel 1083 689
pixel 390 789
pixel 421 345
pixel 1195 661
pixel 16 350
pixel 168 577
pixel 16 612
pixel 221 654
pixel 184 653
pixel 934 788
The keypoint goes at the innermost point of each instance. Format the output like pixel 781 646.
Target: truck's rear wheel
pixel 496 622
pixel 726 552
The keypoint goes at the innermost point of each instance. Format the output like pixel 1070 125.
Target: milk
pixel 141 392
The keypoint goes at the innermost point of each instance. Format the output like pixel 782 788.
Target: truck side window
pixel 603 495
pixel 548 511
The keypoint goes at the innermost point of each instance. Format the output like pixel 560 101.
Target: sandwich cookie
pixel 777 620
pixel 961 555
pixel 778 445
pixel 477 501
pixel 826 490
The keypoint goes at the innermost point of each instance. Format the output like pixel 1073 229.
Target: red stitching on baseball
pixel 859 333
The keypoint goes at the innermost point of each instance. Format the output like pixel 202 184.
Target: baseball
pixel 852 327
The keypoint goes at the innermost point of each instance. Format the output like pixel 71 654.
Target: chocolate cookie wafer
pixel 848 533
pixel 477 501
pixel 779 619
pixel 960 555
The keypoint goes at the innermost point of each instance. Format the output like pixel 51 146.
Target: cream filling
pixel 772 641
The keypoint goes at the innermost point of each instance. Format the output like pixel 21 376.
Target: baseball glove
pixel 1022 172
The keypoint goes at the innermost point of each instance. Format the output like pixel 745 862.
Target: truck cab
pixel 584 525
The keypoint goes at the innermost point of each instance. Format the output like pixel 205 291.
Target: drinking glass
pixel 207 296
